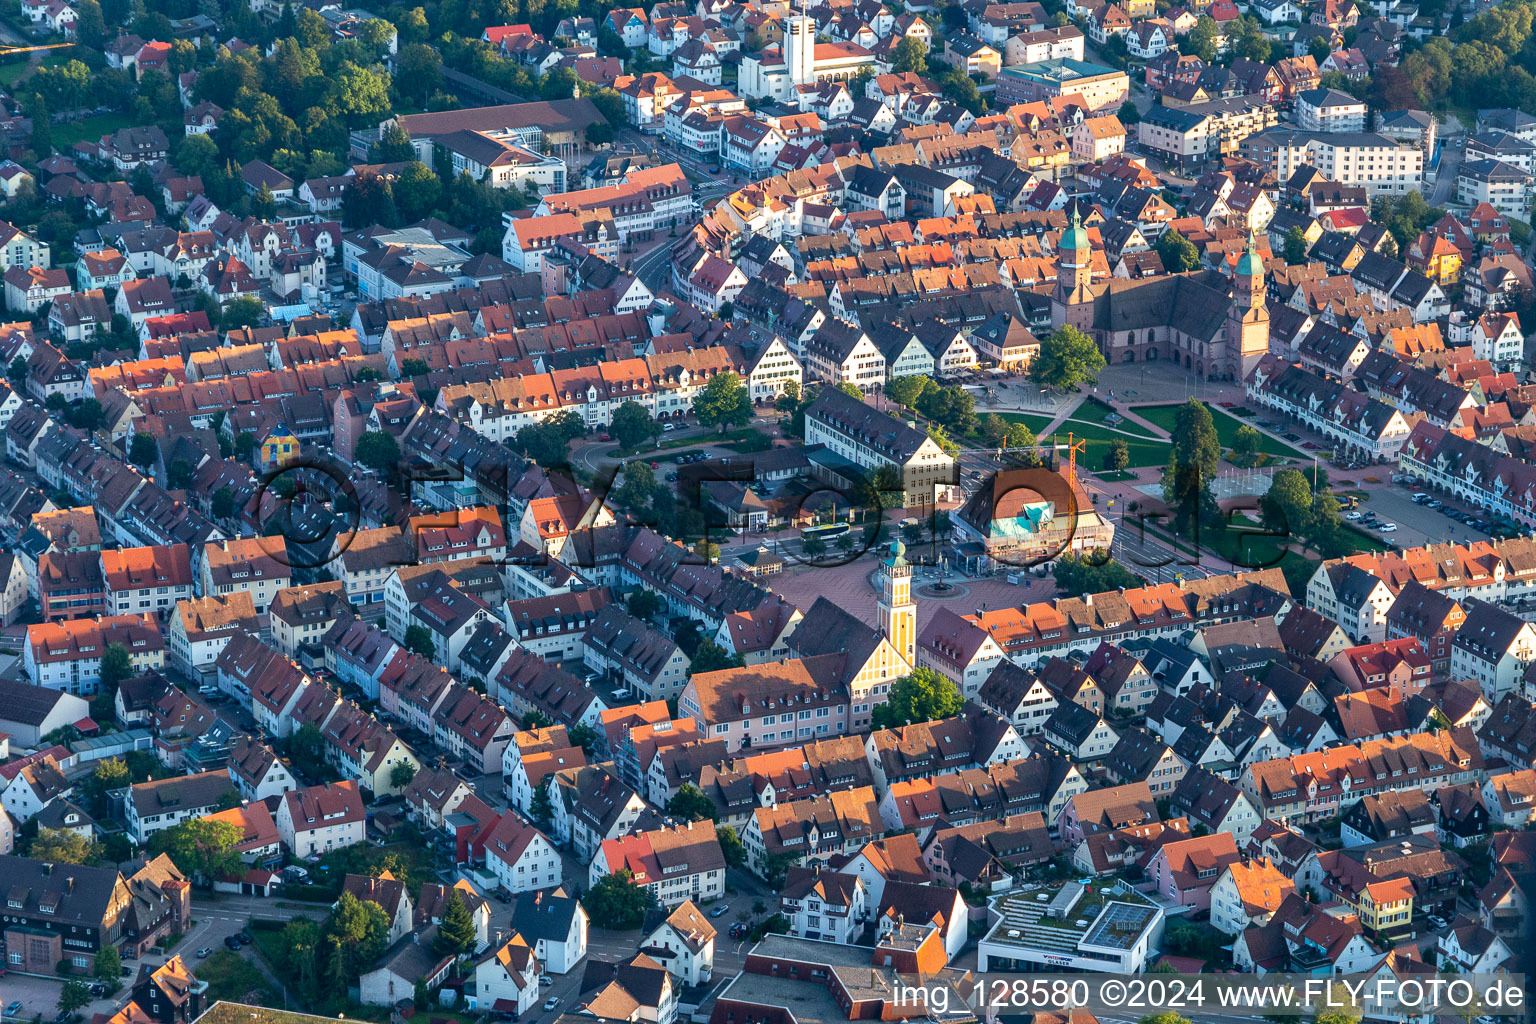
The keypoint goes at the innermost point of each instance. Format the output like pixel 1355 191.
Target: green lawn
pixel 1144 451
pixel 231 976
pixel 1091 411
pixel 9 73
pixel 1226 428
pixel 88 129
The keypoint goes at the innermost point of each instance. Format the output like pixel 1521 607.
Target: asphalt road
pixel 217 917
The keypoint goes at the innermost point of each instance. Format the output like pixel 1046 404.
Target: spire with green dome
pixel 1075 237
pixel 898 551
pixel 1249 264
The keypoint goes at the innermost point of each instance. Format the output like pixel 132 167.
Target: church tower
pixel 1248 321
pixel 800 49
pixel 898 615
pixel 1072 301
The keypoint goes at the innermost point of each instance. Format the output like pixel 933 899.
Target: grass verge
pixel 1226 428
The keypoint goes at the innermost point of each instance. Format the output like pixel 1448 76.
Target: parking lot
pixel 40 996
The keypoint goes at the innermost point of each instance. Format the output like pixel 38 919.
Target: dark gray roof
pixel 26 704
pixel 848 415
pixel 544 915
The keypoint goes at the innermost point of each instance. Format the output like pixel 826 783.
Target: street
pixel 217 917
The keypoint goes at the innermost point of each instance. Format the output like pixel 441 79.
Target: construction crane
pixel 1072 446
pixel 11 51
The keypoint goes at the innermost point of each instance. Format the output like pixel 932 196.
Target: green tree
pixel 378 450
pixel 64 846
pixel 456 931
pixel 583 736
pixel 246 311
pixel 401 774
pixel 222 504
pixel 202 848
pixel 73 996
pixel 108 966
pixel 86 414
pixel 1118 456
pixel 418 71
pixel 110 773
pixel 178 475
pixel 307 746
pixel 731 847
pixel 558 84
pixel 851 389
pixel 711 657
pixel 723 402
pixel 540 808
pixel 644 604
pixel 907 390
pixel 17 371
pixel 1020 436
pixel 1092 572
pixel 1200 41
pixel 1295 246
pixel 1067 358
pixel 370 199
pixel 418 638
pixel 116 665
pixel 1247 443
pixel 1193 458
pixel 617 902
pixel 1178 253
pixel 359 932
pixel 923 696
pixel 632 425
pixel 690 804
pixel 1128 114
pixel 910 54
pixel 1287 505
pixel 639 485
pixel 143 450
pixel 417 191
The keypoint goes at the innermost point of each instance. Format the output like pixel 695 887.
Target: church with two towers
pixel 1201 321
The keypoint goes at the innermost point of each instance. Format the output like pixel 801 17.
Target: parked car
pixel 668 427
pixel 1387 528
pixel 606 437
pixel 232 942
pixel 203 953
pixel 245 938
pixel 503 896
pixel 719 909
pixel 14 1010
pixel 551 1002
pixel 545 979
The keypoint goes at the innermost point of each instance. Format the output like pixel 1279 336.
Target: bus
pixel 827 532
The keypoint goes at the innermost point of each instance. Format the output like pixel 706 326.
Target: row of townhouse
pixel 1471 472
pixel 663 385
pixel 1316 786
pixel 282 698
pixel 1035 633
pixel 1363 426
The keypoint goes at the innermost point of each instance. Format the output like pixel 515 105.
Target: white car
pixel 1387 528
pixel 551 1003
pixel 1352 516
